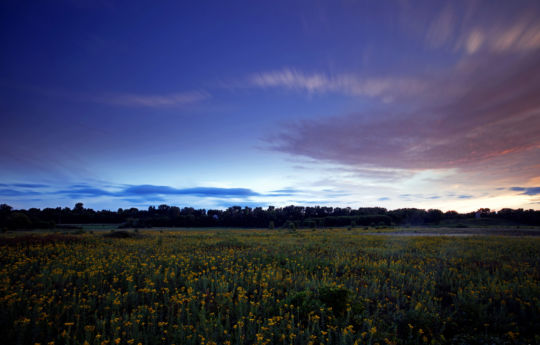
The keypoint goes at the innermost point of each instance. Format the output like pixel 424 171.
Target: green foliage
pixel 246 217
pixel 304 303
pixel 18 220
pixel 336 298
pixel 118 234
pixel 291 225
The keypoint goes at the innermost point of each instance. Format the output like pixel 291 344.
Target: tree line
pixel 258 217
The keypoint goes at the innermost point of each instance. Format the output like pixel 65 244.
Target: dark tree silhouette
pixel 258 217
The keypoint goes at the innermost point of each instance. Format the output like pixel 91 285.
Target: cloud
pixel 470 114
pixel 375 174
pixel 24 185
pixel 465 196
pixel 250 204
pixel 146 192
pixel 284 192
pixel 145 200
pixel 442 27
pixel 527 190
pixel 383 199
pixel 13 192
pixel 310 202
pixel 154 101
pixel 473 27
pixel 197 191
pixel 291 79
pixel 84 192
pixel 30 185
pixel 521 36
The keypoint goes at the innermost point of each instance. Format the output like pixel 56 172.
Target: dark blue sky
pixel 209 104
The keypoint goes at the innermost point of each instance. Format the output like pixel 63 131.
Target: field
pixel 269 287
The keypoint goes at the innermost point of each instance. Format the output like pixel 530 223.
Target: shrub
pixel 336 298
pixel 118 234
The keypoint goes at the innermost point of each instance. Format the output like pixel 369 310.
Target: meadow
pixel 269 287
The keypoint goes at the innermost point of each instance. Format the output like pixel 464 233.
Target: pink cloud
pixel 486 108
pixel 473 26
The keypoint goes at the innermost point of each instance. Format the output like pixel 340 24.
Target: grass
pixel 269 287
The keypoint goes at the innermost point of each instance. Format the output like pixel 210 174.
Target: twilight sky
pixel 425 104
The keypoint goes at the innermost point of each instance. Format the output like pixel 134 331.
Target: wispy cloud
pixel 251 204
pixel 527 190
pixel 473 27
pixel 24 185
pixel 150 192
pixel 521 36
pixel 154 101
pixel 197 191
pixel 17 193
pixel 351 84
pixel 284 192
pixel 144 200
pixel 147 193
pixel 374 173
pixel 125 99
pixel 75 193
pixel 30 185
pixel 419 196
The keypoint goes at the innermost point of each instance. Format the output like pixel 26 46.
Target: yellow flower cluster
pixel 270 287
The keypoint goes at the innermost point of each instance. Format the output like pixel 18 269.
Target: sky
pixel 209 104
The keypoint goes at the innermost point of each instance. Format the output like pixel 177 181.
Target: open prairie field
pixel 269 287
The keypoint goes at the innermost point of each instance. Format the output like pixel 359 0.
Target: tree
pixel 292 226
pixel 18 220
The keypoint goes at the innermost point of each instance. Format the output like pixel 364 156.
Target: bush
pixel 305 302
pixel 291 226
pixel 118 234
pixel 336 298
pixel 18 220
